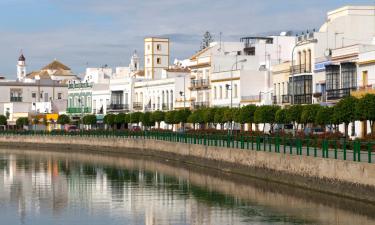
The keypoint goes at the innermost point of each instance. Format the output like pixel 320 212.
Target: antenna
pixel 220 34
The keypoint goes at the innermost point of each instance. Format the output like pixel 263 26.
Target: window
pixel 215 93
pixel 148 60
pixel 158 47
pixel 158 60
pixel 59 95
pixel 333 77
pixel 235 91
pixel 148 47
pixel 33 95
pixel 349 75
pixel 221 92
pixel 226 93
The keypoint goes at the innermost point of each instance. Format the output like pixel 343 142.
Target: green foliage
pixel 170 117
pixel 294 114
pixel 158 116
pixel 109 119
pixel 345 110
pixel 63 119
pixel 266 114
pixel 281 116
pixel 324 116
pixel 228 115
pixel 365 108
pixel 181 116
pixel 135 117
pixel 119 118
pixel 246 114
pixel 197 116
pixel 208 115
pixel 3 120
pixel 309 113
pixel 22 121
pixel 89 120
pixel 219 116
pixel 147 119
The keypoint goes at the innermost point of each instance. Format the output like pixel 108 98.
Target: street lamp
pixel 294 48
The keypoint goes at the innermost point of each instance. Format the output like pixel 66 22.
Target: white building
pixel 156 57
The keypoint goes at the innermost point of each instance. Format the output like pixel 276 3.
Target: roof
pixel 140 73
pixel 21 58
pixel 42 75
pixel 55 65
pixel 200 53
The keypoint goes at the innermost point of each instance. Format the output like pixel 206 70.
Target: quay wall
pixel 355 180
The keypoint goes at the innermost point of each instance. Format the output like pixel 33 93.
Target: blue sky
pixel 98 32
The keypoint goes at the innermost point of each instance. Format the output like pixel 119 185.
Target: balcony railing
pixel 198 105
pixel 251 98
pixel 118 107
pixel 78 110
pixel 15 99
pixel 137 105
pixel 198 84
pixel 285 99
pixel 335 94
pixel 79 85
pixel 302 68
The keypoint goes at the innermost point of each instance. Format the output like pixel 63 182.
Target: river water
pixel 75 188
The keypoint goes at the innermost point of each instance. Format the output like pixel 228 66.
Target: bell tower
pixel 21 67
pixel 134 62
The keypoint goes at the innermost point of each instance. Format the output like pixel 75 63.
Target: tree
pixel 365 110
pixel 63 119
pixel 89 120
pixel 208 115
pixel 135 117
pixel 147 119
pixel 345 111
pixel 266 114
pixel 120 119
pixel 219 117
pixel 109 120
pixel 158 117
pixel 3 120
pixel 309 113
pixel 22 121
pixel 207 39
pixel 246 115
pixel 182 116
pixel 170 118
pixel 281 116
pixel 294 115
pixel 324 116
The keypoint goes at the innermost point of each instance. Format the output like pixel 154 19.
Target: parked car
pixel 287 128
pixel 71 128
pixel 315 130
pixel 135 128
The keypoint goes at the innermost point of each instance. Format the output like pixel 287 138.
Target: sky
pixel 93 33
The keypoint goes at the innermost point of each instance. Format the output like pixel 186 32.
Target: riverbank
pixel 342 178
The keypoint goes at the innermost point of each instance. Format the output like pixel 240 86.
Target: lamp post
pixel 294 48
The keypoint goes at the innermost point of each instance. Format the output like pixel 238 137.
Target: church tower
pixel 21 68
pixel 156 57
pixel 134 62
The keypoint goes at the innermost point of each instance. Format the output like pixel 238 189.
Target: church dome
pixel 21 58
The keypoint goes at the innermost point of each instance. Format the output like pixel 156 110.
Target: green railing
pixel 78 110
pixel 340 149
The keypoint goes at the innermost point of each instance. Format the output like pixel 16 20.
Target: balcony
pixel 199 84
pixel 15 99
pixel 336 94
pixel 303 68
pixel 198 105
pixel 251 98
pixel 285 99
pixel 363 90
pixel 79 85
pixel 78 110
pixel 137 105
pixel 118 107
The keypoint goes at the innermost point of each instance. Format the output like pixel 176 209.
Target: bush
pixel 22 121
pixel 63 119
pixel 3 120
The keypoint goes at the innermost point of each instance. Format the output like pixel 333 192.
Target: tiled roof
pixel 55 65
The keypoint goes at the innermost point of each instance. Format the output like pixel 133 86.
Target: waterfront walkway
pixel 333 149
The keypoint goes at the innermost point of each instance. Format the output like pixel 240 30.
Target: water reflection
pixel 58 188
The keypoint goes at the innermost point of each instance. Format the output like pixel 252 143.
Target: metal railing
pixel 15 99
pixel 339 149
pixel 335 94
pixel 302 68
pixel 137 105
pixel 198 105
pixel 79 85
pixel 118 107
pixel 78 110
pixel 201 83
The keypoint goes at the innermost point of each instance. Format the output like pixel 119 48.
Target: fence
pixel 340 149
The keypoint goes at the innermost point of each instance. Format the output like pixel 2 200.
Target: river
pixel 41 187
